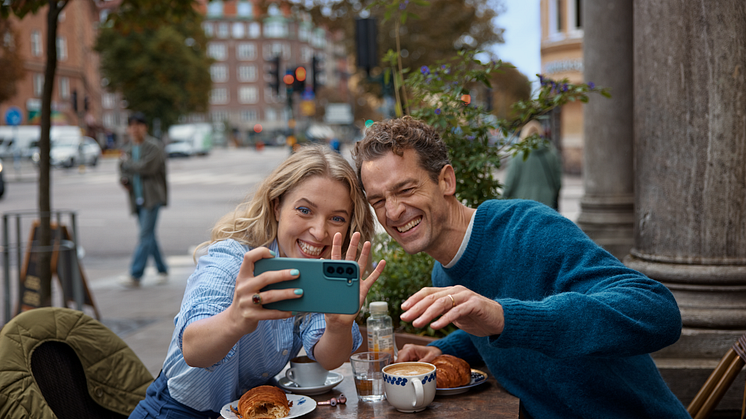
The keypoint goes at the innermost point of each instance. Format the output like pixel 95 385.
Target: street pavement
pixel 143 317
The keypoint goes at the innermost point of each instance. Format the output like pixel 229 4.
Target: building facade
pixel 245 41
pixel 76 97
pixel 562 58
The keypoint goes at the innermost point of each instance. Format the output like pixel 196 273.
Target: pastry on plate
pixel 451 371
pixel 263 402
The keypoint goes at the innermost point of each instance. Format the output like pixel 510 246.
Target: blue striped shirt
pixel 256 358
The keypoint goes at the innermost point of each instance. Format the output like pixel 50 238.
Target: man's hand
pixel 469 311
pixel 410 352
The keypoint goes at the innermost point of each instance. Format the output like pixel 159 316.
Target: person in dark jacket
pixel 142 169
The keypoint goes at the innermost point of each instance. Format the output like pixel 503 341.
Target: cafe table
pixel 487 400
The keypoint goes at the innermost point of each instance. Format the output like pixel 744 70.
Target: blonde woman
pixel 225 342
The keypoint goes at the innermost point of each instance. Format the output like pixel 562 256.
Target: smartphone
pixel 329 286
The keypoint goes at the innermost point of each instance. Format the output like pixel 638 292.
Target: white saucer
pixel 332 379
pixel 477 378
pixel 301 406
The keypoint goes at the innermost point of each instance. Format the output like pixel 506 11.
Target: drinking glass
pixel 367 370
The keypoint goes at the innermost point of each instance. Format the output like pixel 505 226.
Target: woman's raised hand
pixel 363 262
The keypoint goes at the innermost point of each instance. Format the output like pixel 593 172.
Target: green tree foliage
pixel 10 61
pixel 508 87
pixel 434 31
pixel 154 53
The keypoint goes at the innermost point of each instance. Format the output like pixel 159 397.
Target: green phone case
pixel 329 286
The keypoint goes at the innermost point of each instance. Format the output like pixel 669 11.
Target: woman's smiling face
pixel 309 215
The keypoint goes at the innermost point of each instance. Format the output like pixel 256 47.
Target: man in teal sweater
pixel 560 322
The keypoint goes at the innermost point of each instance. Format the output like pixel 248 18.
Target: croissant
pixel 451 371
pixel 263 402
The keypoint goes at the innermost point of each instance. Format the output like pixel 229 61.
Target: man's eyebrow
pixel 395 187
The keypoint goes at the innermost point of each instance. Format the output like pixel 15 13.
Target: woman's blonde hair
pixel 253 221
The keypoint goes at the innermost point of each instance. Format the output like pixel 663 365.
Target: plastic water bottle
pixel 380 329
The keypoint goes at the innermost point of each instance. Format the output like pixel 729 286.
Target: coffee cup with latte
pixel 409 386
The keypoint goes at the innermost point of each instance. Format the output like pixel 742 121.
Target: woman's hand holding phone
pixel 246 309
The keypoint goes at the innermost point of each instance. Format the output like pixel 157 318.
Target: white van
pixel 24 139
pixel 189 139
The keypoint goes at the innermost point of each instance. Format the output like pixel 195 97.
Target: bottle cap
pixel 379 307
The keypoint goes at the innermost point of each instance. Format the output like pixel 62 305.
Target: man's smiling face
pixel 407 202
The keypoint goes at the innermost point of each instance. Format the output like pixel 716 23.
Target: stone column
pixel 607 208
pixel 690 172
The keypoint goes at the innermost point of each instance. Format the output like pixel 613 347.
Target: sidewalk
pixel 142 317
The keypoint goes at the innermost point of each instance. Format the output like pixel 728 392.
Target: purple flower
pixel 470 137
pixel 437 111
pixel 591 85
pixel 541 80
pixel 425 70
pixel 403 5
pixel 564 87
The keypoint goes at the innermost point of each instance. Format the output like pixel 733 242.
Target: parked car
pixel 179 148
pixel 73 151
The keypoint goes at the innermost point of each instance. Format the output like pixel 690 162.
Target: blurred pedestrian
pixel 539 176
pixel 142 169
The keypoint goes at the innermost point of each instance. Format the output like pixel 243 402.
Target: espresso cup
pixel 305 372
pixel 409 386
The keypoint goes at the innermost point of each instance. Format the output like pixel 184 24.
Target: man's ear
pixel 276 208
pixel 447 180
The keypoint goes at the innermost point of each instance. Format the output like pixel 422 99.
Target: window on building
pixel 249 115
pixel 270 51
pixel 306 54
pixel 36 49
pixel 304 32
pixel 223 30
pixel 108 100
pixel 246 51
pixel 219 73
pixel 244 9
pixel 219 95
pixel 64 88
pixel 273 10
pixel 247 73
pixel 286 52
pixel 576 15
pixel 238 30
pixel 61 48
pixel 248 94
pixel 38 84
pixel 219 116
pixel 109 120
pixel 276 28
pixel 255 30
pixel 270 114
pixel 559 16
pixel 215 8
pixel 217 51
pixel 208 28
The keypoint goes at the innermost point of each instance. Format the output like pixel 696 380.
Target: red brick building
pixel 77 79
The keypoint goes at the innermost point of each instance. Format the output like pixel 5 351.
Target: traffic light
pixel 74 100
pixel 299 84
pixel 316 66
pixel 274 73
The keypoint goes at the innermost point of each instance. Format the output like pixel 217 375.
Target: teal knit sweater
pixel 579 325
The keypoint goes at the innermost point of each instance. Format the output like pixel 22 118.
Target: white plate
pixel 301 406
pixel 477 378
pixel 331 381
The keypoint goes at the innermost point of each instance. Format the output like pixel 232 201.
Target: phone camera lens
pixel 350 271
pixel 330 270
pixel 340 270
